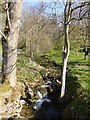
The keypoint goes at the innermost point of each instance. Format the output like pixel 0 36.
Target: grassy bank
pixel 78 81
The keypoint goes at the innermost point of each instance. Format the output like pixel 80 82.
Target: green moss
pixel 78 79
pixel 5 87
pixel 24 70
pixel 27 112
pixel 3 114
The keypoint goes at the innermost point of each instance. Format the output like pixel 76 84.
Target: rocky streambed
pixel 20 102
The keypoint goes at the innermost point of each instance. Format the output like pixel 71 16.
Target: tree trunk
pixel 67 16
pixel 89 24
pixel 9 45
pixel 87 34
pixel 65 60
pixel 86 52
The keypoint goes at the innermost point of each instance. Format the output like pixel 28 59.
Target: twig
pixel 3 35
pixel 1 4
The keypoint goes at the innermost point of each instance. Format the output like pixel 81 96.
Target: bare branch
pixel 61 22
pixel 84 13
pixel 80 6
pixel 3 35
pixel 1 4
pixel 7 13
pixel 12 5
pixel 80 18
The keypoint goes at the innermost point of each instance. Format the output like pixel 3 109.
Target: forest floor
pixel 76 104
pixel 77 86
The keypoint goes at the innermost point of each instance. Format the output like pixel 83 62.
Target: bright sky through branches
pixel 28 3
pixel 42 1
pixel 53 0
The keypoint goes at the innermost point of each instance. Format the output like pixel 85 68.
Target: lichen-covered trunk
pixel 9 45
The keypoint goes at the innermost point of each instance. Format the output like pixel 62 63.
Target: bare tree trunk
pixel 86 52
pixel 9 45
pixel 28 47
pixel 67 16
pixel 87 33
pixel 65 60
pixel 89 23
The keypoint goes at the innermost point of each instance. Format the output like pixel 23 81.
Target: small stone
pixel 6 101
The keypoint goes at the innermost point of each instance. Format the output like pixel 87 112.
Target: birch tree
pixel 66 50
pixel 10 41
pixel 68 12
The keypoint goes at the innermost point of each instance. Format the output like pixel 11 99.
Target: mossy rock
pixel 9 92
pixel 27 112
pixel 5 87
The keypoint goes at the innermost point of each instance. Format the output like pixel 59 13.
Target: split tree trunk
pixel 9 45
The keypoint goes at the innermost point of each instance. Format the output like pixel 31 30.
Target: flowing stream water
pixel 41 108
